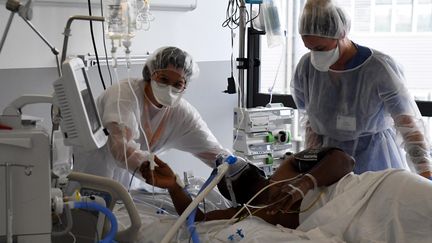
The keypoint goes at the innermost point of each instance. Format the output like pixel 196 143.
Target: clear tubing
pixel 142 131
pixel 258 193
pixel 122 126
pixel 113 54
pixel 247 205
pixel 270 90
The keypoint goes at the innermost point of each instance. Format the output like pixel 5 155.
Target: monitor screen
pixel 88 100
pixel 80 123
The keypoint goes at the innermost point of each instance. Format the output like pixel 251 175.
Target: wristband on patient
pixel 307 159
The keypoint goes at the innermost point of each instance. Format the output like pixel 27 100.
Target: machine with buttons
pixel 263 134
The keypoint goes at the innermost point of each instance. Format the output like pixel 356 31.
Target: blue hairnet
pixel 165 56
pixel 325 19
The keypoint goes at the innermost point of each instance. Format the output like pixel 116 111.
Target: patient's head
pixel 245 183
pixel 303 161
pixel 250 179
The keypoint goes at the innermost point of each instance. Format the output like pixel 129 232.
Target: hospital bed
pixel 386 206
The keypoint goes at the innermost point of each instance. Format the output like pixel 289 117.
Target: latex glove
pixel 138 157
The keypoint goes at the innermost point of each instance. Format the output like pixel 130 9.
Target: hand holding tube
pixel 162 177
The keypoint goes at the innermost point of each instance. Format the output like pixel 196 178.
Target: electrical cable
pixel 256 16
pixel 94 45
pixel 232 20
pixel 133 175
pixel 104 43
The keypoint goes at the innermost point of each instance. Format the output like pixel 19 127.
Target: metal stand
pixel 241 58
pixel 25 12
pixel 9 197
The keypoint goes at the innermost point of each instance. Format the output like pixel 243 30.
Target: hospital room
pixel 215 121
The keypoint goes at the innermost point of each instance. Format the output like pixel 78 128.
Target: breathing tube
pixel 94 206
pixel 221 171
pixel 190 222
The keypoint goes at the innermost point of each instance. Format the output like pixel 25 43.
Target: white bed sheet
pixel 387 206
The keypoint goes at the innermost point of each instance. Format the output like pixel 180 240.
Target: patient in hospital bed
pixel 324 202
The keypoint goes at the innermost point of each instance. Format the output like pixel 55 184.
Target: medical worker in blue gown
pixel 147 116
pixel 354 97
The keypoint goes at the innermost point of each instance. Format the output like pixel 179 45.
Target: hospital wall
pixel 27 65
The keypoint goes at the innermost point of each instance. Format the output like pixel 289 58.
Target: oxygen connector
pixel 127 43
pixel 113 54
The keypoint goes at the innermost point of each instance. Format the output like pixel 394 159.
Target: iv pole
pixel 26 13
pixel 241 58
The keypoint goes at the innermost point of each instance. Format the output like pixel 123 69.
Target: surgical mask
pixel 165 94
pixel 322 60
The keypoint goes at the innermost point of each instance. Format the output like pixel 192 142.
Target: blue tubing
pixel 191 218
pixel 94 206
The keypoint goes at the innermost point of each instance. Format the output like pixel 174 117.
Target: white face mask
pixel 322 60
pixel 165 95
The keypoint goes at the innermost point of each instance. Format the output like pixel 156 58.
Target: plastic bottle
pixel 62 156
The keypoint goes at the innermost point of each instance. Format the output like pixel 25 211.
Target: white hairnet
pixel 325 19
pixel 165 56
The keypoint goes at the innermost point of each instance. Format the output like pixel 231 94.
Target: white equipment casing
pixel 30 194
pixel 262 118
pixel 263 135
pixel 73 84
pixel 267 162
pixel 257 143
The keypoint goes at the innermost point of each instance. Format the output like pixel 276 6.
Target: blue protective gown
pixel 355 110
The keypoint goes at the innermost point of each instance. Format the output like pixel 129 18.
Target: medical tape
pixel 297 189
pixel 314 180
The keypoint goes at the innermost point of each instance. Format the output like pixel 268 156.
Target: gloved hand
pixel 138 157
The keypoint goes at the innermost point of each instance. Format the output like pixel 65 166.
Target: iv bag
pixel 131 15
pixel 116 25
pixel 121 18
pixel 272 23
pixel 62 163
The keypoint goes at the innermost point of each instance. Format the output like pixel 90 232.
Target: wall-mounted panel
pixel 161 5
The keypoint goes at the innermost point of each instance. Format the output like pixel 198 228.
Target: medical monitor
pixel 80 121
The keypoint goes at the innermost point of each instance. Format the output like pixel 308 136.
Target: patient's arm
pixel 329 170
pixel 164 177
